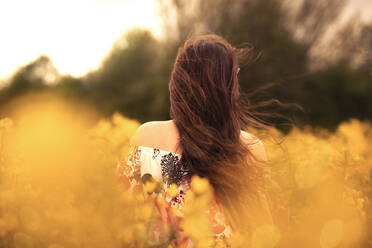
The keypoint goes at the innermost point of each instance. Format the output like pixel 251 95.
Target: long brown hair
pixel 209 112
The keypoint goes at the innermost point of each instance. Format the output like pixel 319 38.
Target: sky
pixel 75 34
pixel 78 34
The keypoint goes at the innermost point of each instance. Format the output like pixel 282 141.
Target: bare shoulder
pixel 149 133
pixel 164 134
pixel 255 145
pixel 143 131
pixel 149 125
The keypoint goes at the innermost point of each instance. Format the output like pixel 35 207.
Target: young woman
pixel 206 137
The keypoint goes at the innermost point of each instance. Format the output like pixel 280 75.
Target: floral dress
pixel 166 168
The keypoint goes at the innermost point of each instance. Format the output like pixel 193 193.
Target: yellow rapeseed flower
pixel 199 185
pixel 173 190
pixel 161 202
pixel 150 187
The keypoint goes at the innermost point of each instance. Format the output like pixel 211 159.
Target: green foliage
pixel 129 80
pixel 335 94
pixel 28 78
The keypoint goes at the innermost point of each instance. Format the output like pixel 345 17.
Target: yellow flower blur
pixel 57 187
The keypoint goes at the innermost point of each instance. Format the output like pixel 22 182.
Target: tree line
pixel 294 60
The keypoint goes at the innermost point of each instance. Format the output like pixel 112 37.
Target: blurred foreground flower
pixel 57 186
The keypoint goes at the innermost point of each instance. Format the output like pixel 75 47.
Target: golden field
pixel 58 187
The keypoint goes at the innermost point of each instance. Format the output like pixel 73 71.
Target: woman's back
pixel 208 113
pixel 154 154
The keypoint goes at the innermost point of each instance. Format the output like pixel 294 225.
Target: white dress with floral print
pixel 165 167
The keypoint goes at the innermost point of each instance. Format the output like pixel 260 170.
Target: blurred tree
pixel 299 47
pixel 32 77
pixel 70 86
pixel 312 20
pixel 334 94
pixel 129 78
pixel 282 38
pixel 285 35
pixel 366 44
